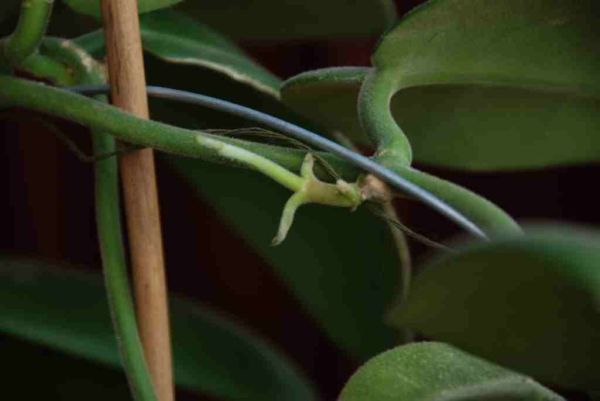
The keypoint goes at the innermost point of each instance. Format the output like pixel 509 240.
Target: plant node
pixel 372 188
pixel 313 190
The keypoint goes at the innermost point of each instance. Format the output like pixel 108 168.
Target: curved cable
pixel 305 135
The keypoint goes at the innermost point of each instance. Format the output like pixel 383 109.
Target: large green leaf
pixel 175 38
pixel 530 303
pixel 435 372
pixel 289 19
pixel 92 7
pixel 67 310
pixel 340 265
pixel 486 84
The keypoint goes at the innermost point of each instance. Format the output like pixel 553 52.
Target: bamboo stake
pixel 128 90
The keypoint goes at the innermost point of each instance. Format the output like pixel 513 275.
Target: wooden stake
pixel 128 90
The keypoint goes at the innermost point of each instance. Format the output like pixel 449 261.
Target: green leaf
pixel 481 85
pixel 436 371
pixel 469 125
pixel 528 303
pixel 328 96
pixel 175 38
pixel 92 7
pixel 340 265
pixel 67 310
pixel 289 19
pixel 488 85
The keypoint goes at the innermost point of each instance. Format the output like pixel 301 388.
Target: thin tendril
pixel 410 232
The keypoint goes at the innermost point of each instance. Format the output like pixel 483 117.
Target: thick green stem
pixel 46 99
pixel 44 67
pixel 393 147
pixel 489 217
pixel 253 160
pixel 115 271
pixel 30 30
pixel 171 139
pixel 108 221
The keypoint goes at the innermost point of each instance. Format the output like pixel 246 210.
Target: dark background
pixel 46 210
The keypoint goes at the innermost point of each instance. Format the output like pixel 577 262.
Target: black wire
pixel 302 134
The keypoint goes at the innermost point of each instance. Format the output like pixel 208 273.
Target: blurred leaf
pixel 435 371
pixel 529 303
pixel 289 19
pixel 482 85
pixel 92 7
pixel 175 38
pixel 340 265
pixel 67 310
pixel 39 373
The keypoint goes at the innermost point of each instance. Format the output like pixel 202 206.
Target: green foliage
pixel 528 303
pixel 491 84
pixel 471 126
pixel 289 19
pixel 92 7
pixel 435 372
pixel 328 96
pixel 360 329
pixel 176 38
pixel 67 310
pixel 472 84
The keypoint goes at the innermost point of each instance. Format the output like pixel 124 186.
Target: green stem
pixel 108 222
pixel 97 115
pixel 255 161
pixel 115 271
pixel 44 67
pixel 489 217
pixel 312 190
pixel 30 30
pixel 394 152
pixel 171 139
pixel 374 112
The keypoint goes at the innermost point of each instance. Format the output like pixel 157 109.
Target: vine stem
pixel 128 90
pixel 257 162
pixel 474 213
pixel 384 173
pixel 83 69
pixel 30 30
